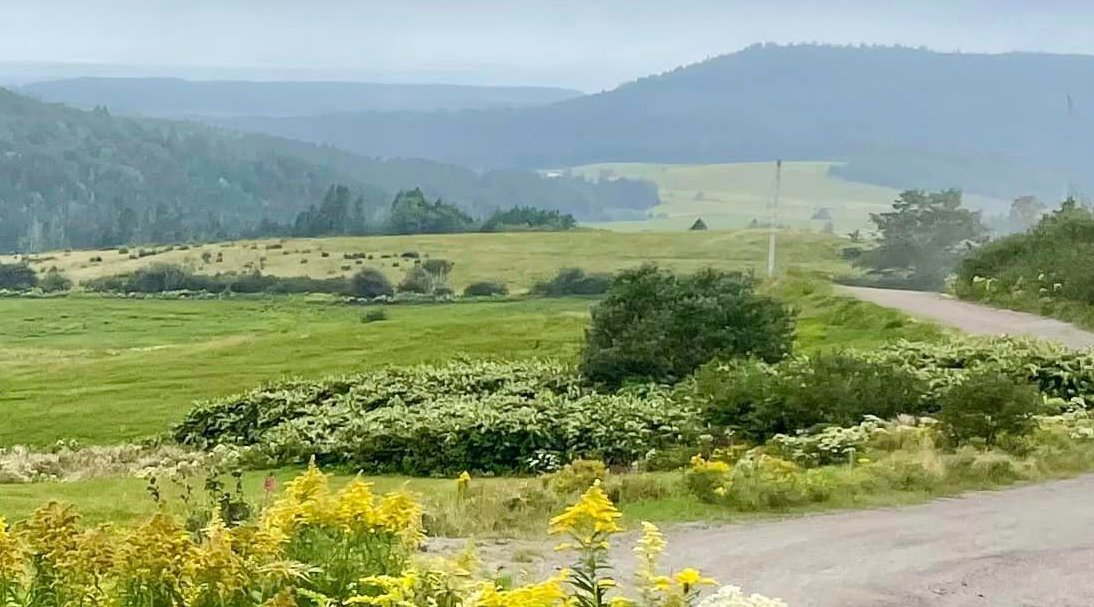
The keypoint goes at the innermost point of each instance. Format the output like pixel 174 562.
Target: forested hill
pixel 993 124
pixel 73 178
pixel 175 98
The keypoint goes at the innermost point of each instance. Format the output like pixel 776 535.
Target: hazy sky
pixel 587 44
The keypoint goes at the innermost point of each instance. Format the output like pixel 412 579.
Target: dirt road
pixel 973 318
pixel 1030 546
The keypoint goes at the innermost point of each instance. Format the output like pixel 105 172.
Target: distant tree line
pixel 343 213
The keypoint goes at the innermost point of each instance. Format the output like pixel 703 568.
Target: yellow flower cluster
pixel 660 590
pixel 311 546
pixel 590 520
pixel 355 509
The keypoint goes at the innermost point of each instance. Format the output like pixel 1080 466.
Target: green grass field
pixel 518 259
pixel 733 195
pixel 107 370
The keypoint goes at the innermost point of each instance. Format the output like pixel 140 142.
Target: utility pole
pixel 774 219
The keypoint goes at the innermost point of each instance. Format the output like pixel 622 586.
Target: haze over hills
pixel 74 178
pixel 174 98
pixel 991 124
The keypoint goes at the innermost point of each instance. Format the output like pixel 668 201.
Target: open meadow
pixel 734 195
pixel 517 259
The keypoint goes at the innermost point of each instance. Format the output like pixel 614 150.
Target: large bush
pixel 987 406
pixel 17 277
pixel 656 326
pixel 486 416
pixel 573 281
pixel 1050 262
pixel 370 283
pixel 485 289
pixel 757 400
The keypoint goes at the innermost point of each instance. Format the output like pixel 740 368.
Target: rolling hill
pixel 992 124
pixel 176 98
pixel 71 178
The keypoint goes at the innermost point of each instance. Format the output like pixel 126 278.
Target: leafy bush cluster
pixel 980 387
pixel 165 278
pixel 573 281
pixel 484 416
pixel 908 454
pixel 657 326
pixel 1051 262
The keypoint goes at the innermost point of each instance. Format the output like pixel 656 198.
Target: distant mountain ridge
pixel 992 124
pixel 177 98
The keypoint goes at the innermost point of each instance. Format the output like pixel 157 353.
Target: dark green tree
pixel 17 277
pixel 657 326
pixel 923 237
pixel 412 213
pixel 370 283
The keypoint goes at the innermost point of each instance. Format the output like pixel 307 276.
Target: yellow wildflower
pixel 545 594
pixel 592 517
pixel 649 549
pixel 691 578
pixel 356 510
pixel 400 512
pixel 12 557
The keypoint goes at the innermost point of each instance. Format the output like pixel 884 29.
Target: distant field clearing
pixel 734 195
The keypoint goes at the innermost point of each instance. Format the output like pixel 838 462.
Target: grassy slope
pixel 104 370
pixel 732 195
pixel 519 259
pixel 109 370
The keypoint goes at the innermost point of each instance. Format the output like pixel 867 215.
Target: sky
pixel 585 44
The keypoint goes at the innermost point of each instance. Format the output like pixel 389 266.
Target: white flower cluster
pixel 732 596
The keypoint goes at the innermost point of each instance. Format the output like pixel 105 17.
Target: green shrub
pixel 485 289
pixel 488 417
pixel 375 315
pixel 17 277
pixel 987 406
pixel 656 326
pixel 417 280
pixel 370 283
pixel 577 476
pixel 54 282
pixel 573 281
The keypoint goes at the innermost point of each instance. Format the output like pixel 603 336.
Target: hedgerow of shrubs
pixel 483 416
pixel 573 281
pixel 756 400
pixel 166 278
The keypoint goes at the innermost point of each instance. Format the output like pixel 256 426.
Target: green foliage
pixel 17 277
pixel 340 213
pixel 989 405
pixel 485 289
pixel 758 401
pixel 167 278
pixel 87 179
pixel 573 281
pixel 412 213
pixel 1047 265
pixel 656 326
pixel 485 416
pixel 54 282
pixel 370 283
pixel 375 315
pixel 418 281
pixel 524 219
pixel 922 238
